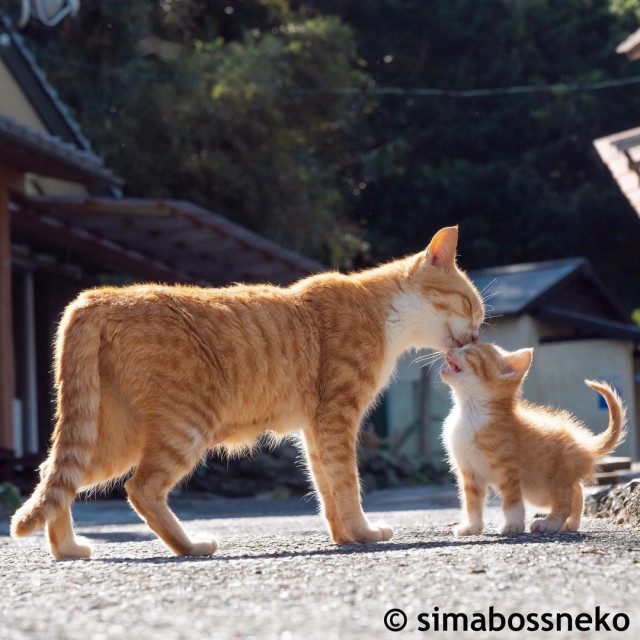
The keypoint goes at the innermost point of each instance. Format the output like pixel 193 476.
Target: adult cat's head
pixel 485 371
pixel 439 306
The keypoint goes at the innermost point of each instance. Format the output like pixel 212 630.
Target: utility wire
pixel 398 91
pixel 471 93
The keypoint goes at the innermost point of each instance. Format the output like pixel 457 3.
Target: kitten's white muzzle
pixel 452 365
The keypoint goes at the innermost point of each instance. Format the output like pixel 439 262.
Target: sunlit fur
pixel 151 377
pixel 537 454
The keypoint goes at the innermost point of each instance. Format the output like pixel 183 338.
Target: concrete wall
pixel 14 104
pixel 558 375
pixel 556 378
pixel 36 185
pixel 403 401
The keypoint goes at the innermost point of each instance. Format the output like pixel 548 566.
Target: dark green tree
pixel 214 116
pixel 208 116
pixel 518 172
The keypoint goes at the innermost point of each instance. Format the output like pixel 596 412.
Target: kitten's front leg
pixel 331 449
pixel 473 493
pixel 512 503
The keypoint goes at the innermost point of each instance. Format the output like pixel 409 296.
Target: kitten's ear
pixel 441 251
pixel 517 362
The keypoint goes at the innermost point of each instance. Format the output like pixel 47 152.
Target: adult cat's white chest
pixel 461 428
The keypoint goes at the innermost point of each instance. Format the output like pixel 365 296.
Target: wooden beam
pixel 52 231
pixel 9 180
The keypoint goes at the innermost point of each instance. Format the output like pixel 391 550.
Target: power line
pixel 469 93
pixel 571 87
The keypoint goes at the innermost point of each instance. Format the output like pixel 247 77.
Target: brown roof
pixel 621 153
pixel 630 46
pixel 165 240
pixel 41 95
pixel 28 150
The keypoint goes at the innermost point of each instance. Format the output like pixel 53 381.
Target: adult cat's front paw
pixel 543 525
pixel 469 529
pixel 202 549
pixel 512 528
pixel 370 534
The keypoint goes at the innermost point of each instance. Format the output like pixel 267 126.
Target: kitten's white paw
pixel 469 529
pixel 571 525
pixel 202 548
pixel 545 526
pixel 512 528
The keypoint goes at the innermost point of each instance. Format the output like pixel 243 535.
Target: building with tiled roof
pixel 64 226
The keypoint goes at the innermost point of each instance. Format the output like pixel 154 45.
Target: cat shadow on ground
pixel 351 549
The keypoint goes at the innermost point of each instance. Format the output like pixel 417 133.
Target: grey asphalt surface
pixel 278 576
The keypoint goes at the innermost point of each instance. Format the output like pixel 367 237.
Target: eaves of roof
pixel 630 46
pixel 600 326
pixel 522 288
pixel 30 151
pixel 37 89
pixel 162 240
pixel 621 153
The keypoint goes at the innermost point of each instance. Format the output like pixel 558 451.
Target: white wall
pixel 558 375
pixel 402 400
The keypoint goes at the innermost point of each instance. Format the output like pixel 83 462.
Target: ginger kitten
pixel 526 452
pixel 150 377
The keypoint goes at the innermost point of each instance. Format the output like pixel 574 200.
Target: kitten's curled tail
pixel 78 385
pixel 608 440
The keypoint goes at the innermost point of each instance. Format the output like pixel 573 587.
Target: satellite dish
pixel 49 12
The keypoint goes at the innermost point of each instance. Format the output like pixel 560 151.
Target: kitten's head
pixel 439 301
pixel 485 371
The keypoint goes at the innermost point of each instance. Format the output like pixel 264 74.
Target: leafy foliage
pixel 218 121
pixel 9 499
pixel 213 122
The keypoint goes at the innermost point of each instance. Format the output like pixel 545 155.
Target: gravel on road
pixel 277 575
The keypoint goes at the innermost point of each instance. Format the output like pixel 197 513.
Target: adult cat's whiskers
pixel 487 321
pixel 486 292
pixel 428 358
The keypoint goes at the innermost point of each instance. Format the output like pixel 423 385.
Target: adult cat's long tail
pixel 78 383
pixel 608 440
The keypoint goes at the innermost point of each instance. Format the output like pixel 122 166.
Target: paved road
pixel 277 575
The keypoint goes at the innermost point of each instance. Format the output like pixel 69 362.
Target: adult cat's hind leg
pixel 59 527
pixel 62 539
pixel 332 457
pixel 577 504
pixel 159 470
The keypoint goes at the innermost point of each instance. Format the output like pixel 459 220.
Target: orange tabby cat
pixel 153 376
pixel 527 452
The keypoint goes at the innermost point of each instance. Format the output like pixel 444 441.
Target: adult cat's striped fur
pixel 150 377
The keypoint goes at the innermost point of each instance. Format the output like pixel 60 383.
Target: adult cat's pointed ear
pixel 517 362
pixel 441 251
